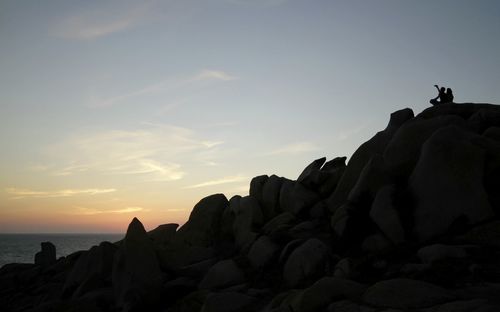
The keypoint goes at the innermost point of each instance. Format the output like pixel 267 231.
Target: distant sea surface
pixel 21 248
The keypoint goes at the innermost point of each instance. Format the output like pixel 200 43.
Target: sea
pixel 21 248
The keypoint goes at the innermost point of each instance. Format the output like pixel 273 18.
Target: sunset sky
pixel 116 109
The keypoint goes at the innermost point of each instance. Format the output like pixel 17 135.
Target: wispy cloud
pixel 163 87
pixel 207 74
pixel 92 211
pixel 258 3
pixel 294 148
pixel 106 19
pixel 225 180
pixel 154 152
pixel 24 193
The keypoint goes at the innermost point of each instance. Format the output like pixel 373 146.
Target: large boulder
pixel 271 196
pixel 376 145
pixel 47 256
pixel 94 265
pixel 404 293
pixel 163 234
pixel 296 198
pixel 136 275
pixel 384 213
pixel 263 252
pixel 324 291
pixel 447 184
pixel 229 302
pixel 247 219
pixel 307 262
pixel 256 187
pixel 222 275
pixel 311 177
pixel 203 226
pixel 373 176
pixel 278 227
pixel 402 152
pixel 333 169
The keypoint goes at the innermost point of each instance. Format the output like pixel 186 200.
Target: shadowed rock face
pixel 411 223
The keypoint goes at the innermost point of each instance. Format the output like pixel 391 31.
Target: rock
pixel 492 133
pixel 439 252
pixel 177 258
pixel 256 187
pixel 476 305
pixel 349 306
pixel 203 226
pixel 311 175
pixel 384 213
pixel 271 197
pixel 279 225
pixel 324 291
pixel 308 261
pixel 483 119
pixel 47 256
pixel 331 181
pixel 404 293
pixel 373 176
pixel 304 229
pixel 447 184
pixel 288 249
pixel 376 145
pixel 247 219
pixel 334 164
pixel 228 302
pixel 163 234
pixel 464 110
pixel 136 275
pixel 487 234
pixel 402 152
pixel 282 302
pixel 296 199
pixel 95 264
pixel 376 244
pixel 223 274
pixel 197 269
pixel 340 221
pixel 343 269
pixel 178 288
pixel 263 252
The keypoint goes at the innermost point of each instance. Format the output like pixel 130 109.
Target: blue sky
pixel 111 109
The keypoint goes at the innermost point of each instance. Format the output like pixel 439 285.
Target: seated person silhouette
pixel 443 96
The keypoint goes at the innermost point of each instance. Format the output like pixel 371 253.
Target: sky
pixel 116 109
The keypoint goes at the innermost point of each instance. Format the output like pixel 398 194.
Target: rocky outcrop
pixel 47 255
pixel 411 223
pixel 136 274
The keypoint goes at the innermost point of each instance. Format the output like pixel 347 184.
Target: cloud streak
pixel 225 180
pixel 102 21
pixel 27 193
pixel 91 211
pixel 154 152
pixel 164 86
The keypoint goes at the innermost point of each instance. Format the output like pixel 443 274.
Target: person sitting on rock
pixel 444 97
pixel 449 96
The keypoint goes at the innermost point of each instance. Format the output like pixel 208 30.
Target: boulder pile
pixel 411 223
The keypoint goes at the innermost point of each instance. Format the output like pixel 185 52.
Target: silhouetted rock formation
pixel 47 255
pixel 410 223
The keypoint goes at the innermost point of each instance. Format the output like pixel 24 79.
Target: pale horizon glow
pixel 117 109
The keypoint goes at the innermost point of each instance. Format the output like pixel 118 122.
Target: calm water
pixel 21 248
